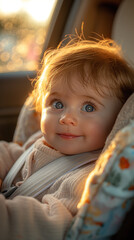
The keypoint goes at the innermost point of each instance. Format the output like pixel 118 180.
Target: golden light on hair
pixel 102 58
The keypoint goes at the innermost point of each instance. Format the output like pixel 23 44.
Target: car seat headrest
pixel 123 29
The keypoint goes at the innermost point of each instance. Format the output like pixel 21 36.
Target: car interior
pixel 95 19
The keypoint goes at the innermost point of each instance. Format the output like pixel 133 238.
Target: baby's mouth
pixel 67 135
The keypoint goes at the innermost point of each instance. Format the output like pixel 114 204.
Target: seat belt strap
pixel 47 175
pixel 15 169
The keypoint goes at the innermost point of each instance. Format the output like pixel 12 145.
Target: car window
pixel 23 27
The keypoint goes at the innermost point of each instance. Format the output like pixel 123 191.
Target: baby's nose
pixel 68 119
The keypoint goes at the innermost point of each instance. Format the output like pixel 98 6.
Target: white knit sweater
pixel 47 218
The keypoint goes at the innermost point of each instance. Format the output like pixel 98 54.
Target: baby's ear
pixel 125 115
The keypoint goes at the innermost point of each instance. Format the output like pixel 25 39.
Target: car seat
pixel 109 191
pixel 106 208
pixel 106 212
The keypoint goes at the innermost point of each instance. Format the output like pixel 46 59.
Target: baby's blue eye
pixel 88 108
pixel 57 105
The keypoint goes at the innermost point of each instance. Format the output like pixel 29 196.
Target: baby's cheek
pixel 100 133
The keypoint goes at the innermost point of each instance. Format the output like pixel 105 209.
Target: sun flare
pixel 39 10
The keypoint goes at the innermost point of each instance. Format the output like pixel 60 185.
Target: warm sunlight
pixel 10 6
pixel 39 10
pixel 23 29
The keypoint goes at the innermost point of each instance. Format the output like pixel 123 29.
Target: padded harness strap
pixel 46 176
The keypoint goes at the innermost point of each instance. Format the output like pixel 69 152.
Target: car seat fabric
pixel 126 113
pixel 28 122
pixel 109 191
pixel 122 30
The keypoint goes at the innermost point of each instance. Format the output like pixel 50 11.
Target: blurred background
pixel 23 26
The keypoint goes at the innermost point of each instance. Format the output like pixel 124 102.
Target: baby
pixel 80 91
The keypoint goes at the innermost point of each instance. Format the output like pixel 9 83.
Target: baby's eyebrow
pixel 91 98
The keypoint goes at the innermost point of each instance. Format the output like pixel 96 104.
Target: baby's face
pixel 77 121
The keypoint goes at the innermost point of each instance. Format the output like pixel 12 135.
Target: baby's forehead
pixel 72 82
pixel 75 85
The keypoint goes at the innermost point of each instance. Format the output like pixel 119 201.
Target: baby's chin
pixel 70 149
pixel 73 152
